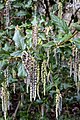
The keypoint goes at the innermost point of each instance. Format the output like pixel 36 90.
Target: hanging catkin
pixel 60 10
pixel 47 29
pixel 58 103
pixel 7 6
pixel 27 64
pixel 34 35
pixel 73 55
pixel 30 65
pixel 75 66
pixel 74 9
pixel 35 28
pixel 70 66
pixel 78 87
pixel 58 94
pixel 5 94
pixel 38 75
pixel 25 57
pixel 33 82
pixel 5 99
pixel 35 78
pixel 42 111
pixel 79 71
pixel 22 99
pixel 43 75
pixel 14 76
pixel 48 51
pixel 27 81
pixel 5 84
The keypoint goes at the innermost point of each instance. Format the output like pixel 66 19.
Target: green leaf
pixel 42 36
pixel 34 22
pixel 21 13
pixel 2 33
pixel 6 47
pixel 39 101
pixel 25 25
pixel 28 4
pixel 3 63
pixel 65 37
pixel 19 40
pixel 11 79
pixel 76 26
pixel 65 86
pixel 49 44
pixel 1 6
pixel 1 76
pixel 59 23
pixel 29 33
pixel 21 71
pixel 17 5
pixel 4 54
pixel 49 87
pixel 52 92
pixel 77 42
pixel 11 27
pixel 16 54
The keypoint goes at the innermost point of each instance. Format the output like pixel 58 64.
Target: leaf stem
pixel 67 39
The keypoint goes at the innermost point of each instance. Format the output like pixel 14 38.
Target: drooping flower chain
pixel 31 69
pixel 78 87
pixel 44 74
pixel 58 103
pixel 5 98
pixel 74 67
pixel 7 12
pixel 34 35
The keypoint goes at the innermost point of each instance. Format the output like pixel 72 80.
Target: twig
pixel 29 108
pixel 14 114
pixel 62 43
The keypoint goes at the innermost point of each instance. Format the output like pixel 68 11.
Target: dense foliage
pixel 39 61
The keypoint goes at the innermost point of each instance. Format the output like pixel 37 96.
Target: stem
pixel 62 43
pixel 14 114
pixel 29 108
pixel 42 110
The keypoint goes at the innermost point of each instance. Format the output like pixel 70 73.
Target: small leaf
pixel 18 5
pixel 65 85
pixel 42 36
pixel 59 23
pixel 3 63
pixel 77 42
pixel 1 6
pixel 16 54
pixel 49 87
pixel 4 54
pixel 28 4
pixel 34 22
pixel 21 13
pixel 19 39
pixel 11 27
pixel 21 71
pixel 6 47
pixel 76 26
pixel 1 76
pixel 12 80
pixel 49 44
pixel 39 101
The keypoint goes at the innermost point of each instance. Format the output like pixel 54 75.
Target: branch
pixel 14 114
pixel 68 39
